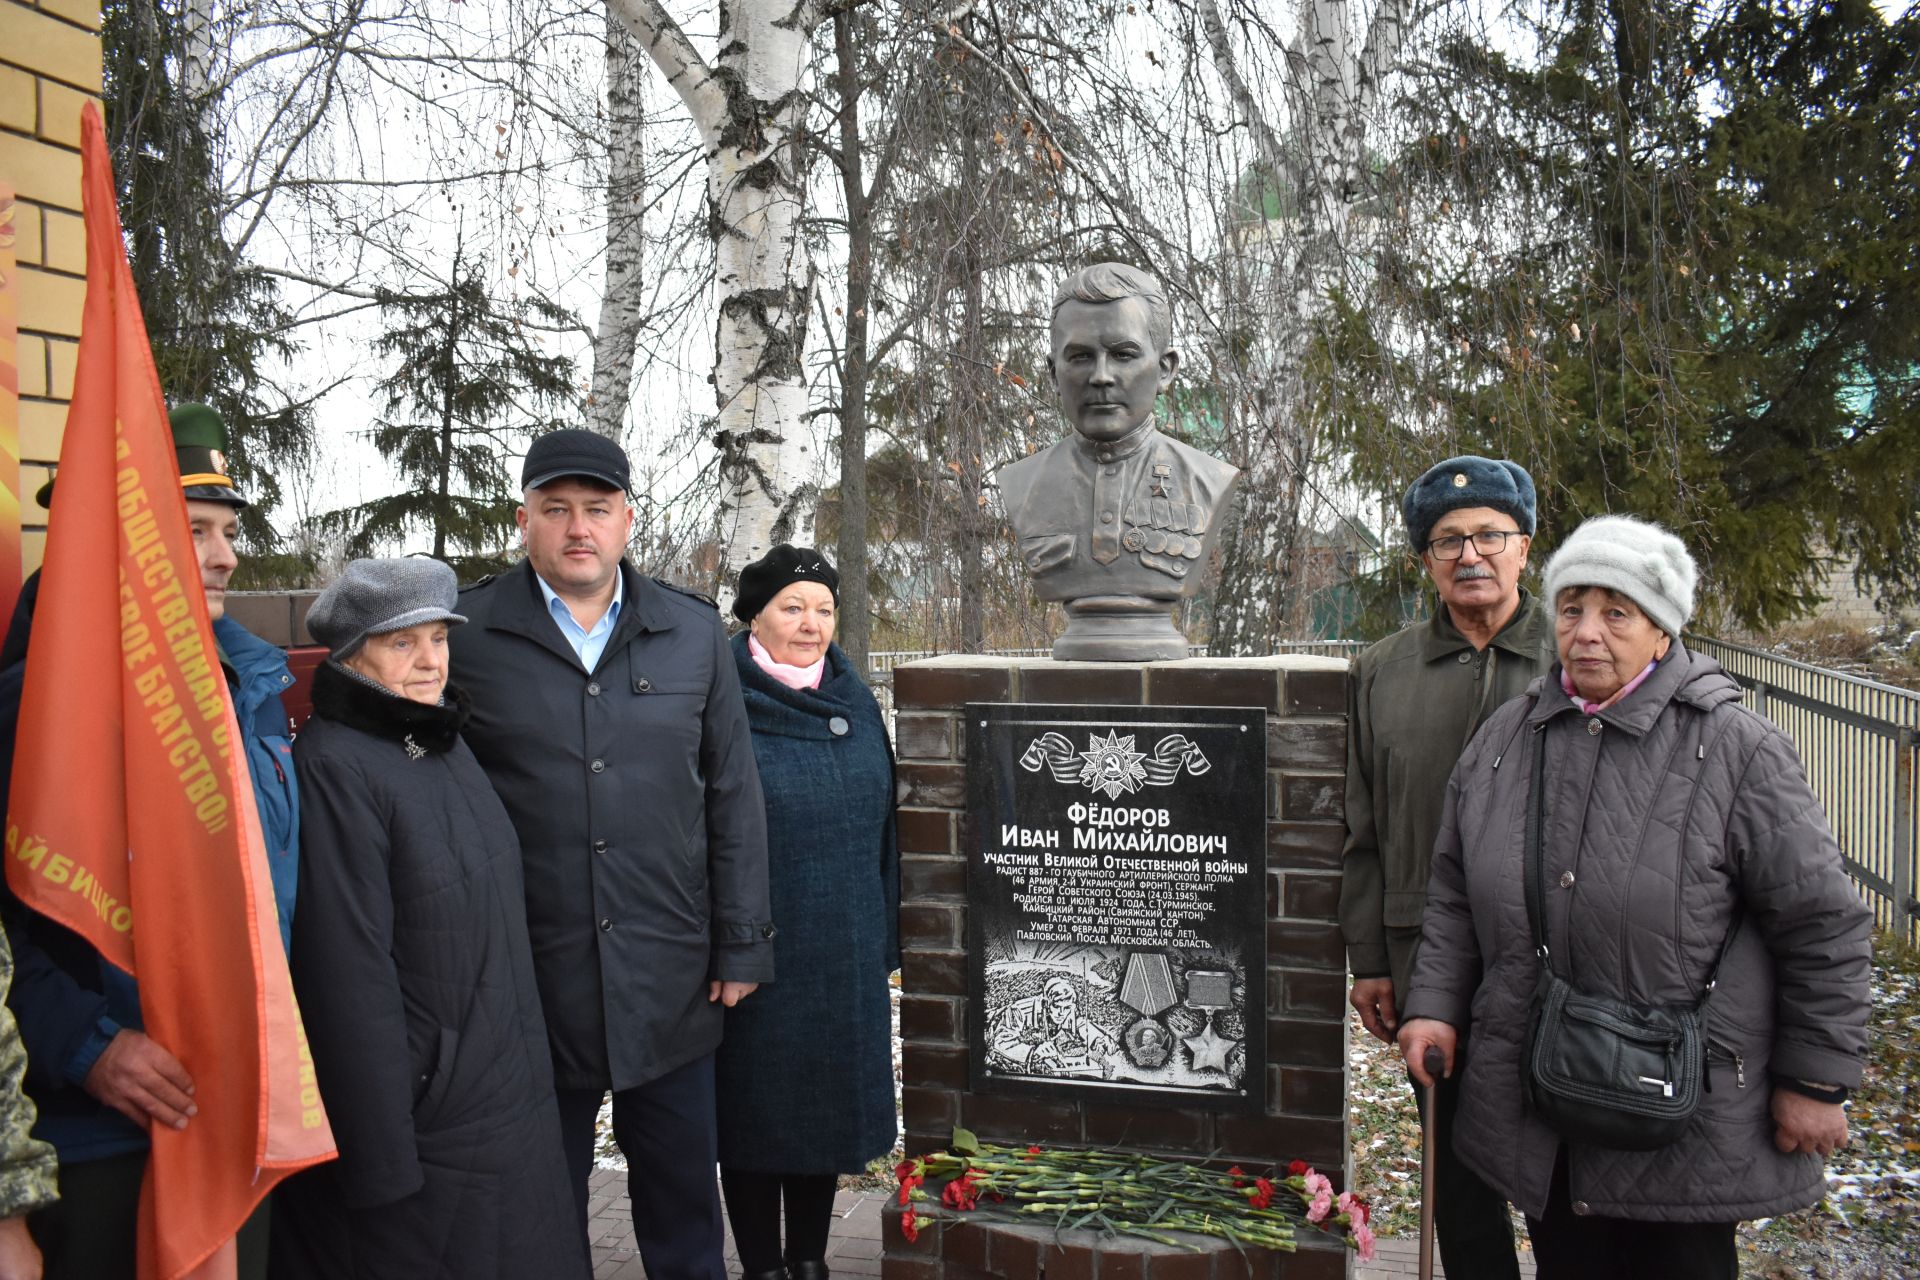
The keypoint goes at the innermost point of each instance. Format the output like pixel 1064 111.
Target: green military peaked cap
pixel 200 447
pixel 199 450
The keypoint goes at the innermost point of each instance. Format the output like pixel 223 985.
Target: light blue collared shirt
pixel 589 645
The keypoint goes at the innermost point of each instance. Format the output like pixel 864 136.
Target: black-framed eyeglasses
pixel 1488 542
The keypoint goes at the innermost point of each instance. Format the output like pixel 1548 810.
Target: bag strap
pixel 1536 891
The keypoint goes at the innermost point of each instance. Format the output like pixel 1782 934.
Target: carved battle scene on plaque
pixel 1116 902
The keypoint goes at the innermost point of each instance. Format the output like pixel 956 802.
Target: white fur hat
pixel 1637 558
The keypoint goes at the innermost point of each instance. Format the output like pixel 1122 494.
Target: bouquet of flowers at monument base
pixel 1127 1193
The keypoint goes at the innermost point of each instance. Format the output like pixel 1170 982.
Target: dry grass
pixel 1889 654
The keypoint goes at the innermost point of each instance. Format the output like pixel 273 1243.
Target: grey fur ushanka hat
pixel 374 597
pixel 1467 481
pixel 1637 558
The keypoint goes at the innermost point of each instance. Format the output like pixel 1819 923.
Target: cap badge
pixel 1459 479
pixel 217 461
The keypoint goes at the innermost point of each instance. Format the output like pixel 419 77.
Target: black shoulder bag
pixel 1600 1071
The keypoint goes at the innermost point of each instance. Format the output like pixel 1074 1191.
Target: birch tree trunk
pixel 1331 91
pixel 748 106
pixel 621 304
pixel 197 53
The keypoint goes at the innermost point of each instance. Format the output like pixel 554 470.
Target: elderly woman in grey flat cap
pixel 411 962
pixel 1672 838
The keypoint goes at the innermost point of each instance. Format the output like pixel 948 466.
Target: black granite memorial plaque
pixel 1116 904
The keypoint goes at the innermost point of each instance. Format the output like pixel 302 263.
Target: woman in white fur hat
pixel 1678 843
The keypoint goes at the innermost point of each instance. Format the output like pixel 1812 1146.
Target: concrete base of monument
pixel 1119 629
pixel 979 1248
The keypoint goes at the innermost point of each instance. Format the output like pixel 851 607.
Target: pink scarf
pixel 1588 708
pixel 807 677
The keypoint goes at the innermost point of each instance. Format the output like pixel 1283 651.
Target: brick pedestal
pixel 1305 1117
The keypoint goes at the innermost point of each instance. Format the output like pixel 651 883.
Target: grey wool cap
pixel 374 597
pixel 1639 559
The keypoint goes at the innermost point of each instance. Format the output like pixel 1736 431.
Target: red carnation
pixel 1238 1175
pixel 1298 1168
pixel 1262 1194
pixel 910 1176
pixel 962 1193
pixel 909 1226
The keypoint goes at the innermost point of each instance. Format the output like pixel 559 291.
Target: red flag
pixel 131 818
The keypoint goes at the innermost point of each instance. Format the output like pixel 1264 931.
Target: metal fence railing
pixel 1858 739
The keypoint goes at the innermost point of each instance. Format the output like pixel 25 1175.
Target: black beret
pixel 780 568
pixel 1467 481
pixel 571 451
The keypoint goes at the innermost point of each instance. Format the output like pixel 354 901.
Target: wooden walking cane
pixel 1435 1062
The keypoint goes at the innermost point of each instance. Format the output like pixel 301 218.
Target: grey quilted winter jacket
pixel 1665 813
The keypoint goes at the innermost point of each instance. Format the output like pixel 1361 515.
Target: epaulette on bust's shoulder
pixel 688 592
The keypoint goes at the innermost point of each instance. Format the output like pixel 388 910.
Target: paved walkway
pixel 854 1249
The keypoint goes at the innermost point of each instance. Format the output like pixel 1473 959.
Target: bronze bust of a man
pixel 1117 521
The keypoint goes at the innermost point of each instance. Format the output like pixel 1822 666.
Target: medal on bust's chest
pixel 1166 534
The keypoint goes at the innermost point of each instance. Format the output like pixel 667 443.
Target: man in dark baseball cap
pixel 608 715
pixel 573 452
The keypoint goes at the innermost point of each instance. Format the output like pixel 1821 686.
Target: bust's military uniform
pixel 1129 517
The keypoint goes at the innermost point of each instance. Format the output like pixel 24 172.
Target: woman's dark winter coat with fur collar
pixel 415 979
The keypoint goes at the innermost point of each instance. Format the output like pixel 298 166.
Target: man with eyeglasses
pixel 1414 701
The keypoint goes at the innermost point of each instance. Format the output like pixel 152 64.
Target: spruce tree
pixel 469 387
pixel 1670 264
pixel 215 321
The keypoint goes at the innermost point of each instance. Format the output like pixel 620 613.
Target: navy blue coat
pixel 806 1068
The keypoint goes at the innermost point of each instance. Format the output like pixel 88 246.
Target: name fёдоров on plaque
pixel 1116 902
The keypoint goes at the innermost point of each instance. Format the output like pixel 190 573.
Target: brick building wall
pixel 1306 1025
pixel 49 66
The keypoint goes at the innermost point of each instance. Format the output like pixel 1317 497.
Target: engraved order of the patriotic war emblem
pixel 1110 764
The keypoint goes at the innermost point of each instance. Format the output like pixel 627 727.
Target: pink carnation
pixel 1322 1206
pixel 1363 1239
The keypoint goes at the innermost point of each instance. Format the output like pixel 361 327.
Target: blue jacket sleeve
pixel 63 1025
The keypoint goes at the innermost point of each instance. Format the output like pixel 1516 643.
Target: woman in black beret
pixel 805 1072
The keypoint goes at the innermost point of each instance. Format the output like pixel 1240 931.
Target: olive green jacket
pixel 1414 701
pixel 29 1174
